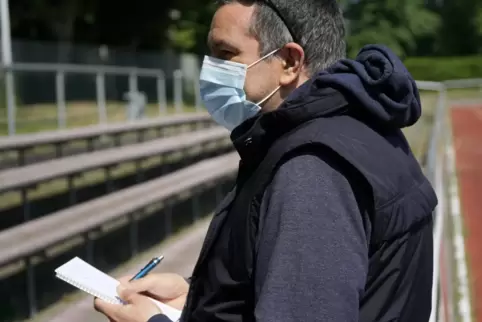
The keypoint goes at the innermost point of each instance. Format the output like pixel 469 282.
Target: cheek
pixel 259 83
pixel 253 87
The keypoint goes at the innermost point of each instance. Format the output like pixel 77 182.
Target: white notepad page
pixel 95 282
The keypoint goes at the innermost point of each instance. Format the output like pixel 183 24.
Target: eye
pixel 226 54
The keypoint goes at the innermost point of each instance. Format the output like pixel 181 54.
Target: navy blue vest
pixel 380 166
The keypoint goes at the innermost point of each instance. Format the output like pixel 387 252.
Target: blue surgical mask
pixel 222 91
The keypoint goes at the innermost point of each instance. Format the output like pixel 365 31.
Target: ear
pixel 293 59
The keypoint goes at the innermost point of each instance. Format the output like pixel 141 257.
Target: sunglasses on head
pixel 273 7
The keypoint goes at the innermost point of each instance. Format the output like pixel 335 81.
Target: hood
pixel 375 85
pixel 379 83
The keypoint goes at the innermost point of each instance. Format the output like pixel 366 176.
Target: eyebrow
pixel 217 43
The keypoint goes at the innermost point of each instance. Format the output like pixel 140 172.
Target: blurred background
pixel 438 40
pixel 107 154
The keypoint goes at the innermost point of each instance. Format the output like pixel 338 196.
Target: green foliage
pixel 458 34
pixel 409 27
pixel 395 23
pixel 444 68
pixel 183 39
pixel 478 26
pixel 189 33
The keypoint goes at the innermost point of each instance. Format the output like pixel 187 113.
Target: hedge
pixel 444 68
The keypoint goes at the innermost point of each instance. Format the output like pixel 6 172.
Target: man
pixel 330 218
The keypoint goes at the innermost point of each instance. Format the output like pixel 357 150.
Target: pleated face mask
pixel 222 91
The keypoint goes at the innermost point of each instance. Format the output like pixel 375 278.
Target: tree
pixel 44 19
pixel 459 31
pixel 478 20
pixel 189 32
pixel 395 23
pixel 142 24
pixel 409 27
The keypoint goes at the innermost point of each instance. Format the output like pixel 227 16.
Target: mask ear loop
pixel 264 57
pixel 256 62
pixel 269 96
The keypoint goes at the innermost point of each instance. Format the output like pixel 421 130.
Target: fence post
pixel 133 87
pixel 10 95
pixel 134 108
pixel 6 44
pixel 100 92
pixel 161 92
pixel 438 121
pixel 178 90
pixel 60 93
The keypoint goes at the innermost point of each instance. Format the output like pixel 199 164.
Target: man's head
pixel 308 33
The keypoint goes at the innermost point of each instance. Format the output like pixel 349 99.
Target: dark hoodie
pixel 336 233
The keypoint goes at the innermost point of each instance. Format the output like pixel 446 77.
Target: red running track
pixel 467 131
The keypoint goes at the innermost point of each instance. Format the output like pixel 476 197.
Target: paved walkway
pixel 180 254
pixel 467 131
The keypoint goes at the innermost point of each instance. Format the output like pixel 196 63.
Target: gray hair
pixel 316 25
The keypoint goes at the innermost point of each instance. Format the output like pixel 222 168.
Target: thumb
pixel 125 293
pixel 140 285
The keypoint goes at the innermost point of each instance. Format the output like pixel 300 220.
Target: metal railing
pixel 439 170
pixel 99 72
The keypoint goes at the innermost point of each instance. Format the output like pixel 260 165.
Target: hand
pixel 139 308
pixel 170 289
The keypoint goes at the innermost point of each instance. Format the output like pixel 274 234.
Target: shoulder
pixel 313 183
pixel 311 168
pixel 311 193
pixel 309 182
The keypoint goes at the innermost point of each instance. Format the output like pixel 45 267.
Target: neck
pixel 275 101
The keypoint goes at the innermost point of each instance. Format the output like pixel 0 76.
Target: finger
pixel 144 284
pixel 136 299
pixel 105 307
pixel 96 304
pixel 124 292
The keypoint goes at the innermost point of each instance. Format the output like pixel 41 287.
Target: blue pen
pixel 149 267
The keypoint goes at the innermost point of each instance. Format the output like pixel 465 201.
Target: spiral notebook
pixel 95 282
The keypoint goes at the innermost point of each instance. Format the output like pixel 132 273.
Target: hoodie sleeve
pixel 312 254
pixel 159 318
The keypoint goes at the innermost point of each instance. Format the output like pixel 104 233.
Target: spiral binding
pixel 89 290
